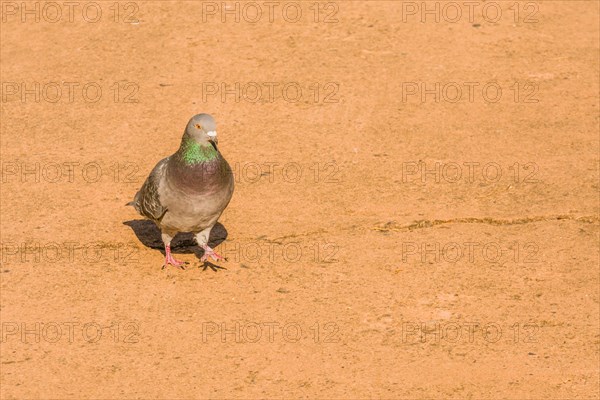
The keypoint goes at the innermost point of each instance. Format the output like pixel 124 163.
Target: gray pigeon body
pixel 188 191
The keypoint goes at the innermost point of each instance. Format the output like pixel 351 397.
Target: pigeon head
pixel 203 129
pixel 199 142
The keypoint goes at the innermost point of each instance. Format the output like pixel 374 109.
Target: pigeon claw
pixel 169 259
pixel 180 266
pixel 208 252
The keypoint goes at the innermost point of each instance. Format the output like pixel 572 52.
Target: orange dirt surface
pixel 415 212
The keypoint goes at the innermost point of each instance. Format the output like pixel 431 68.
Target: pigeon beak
pixel 212 137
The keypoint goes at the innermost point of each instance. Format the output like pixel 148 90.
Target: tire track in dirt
pixel 422 224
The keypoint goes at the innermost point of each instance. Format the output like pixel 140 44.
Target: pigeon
pixel 188 191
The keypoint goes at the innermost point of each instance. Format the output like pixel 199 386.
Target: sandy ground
pixel 415 215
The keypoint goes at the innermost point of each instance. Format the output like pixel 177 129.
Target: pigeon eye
pixel 198 126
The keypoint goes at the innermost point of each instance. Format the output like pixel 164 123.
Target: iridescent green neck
pixel 192 152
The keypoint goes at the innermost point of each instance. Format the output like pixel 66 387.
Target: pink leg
pixel 208 252
pixel 169 259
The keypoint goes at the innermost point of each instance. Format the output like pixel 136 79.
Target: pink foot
pixel 208 252
pixel 169 259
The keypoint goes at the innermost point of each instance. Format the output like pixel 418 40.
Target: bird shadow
pixel 183 243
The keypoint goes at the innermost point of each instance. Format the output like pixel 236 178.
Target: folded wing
pixel 147 201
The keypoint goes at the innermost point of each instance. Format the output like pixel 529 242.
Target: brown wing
pixel 147 201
